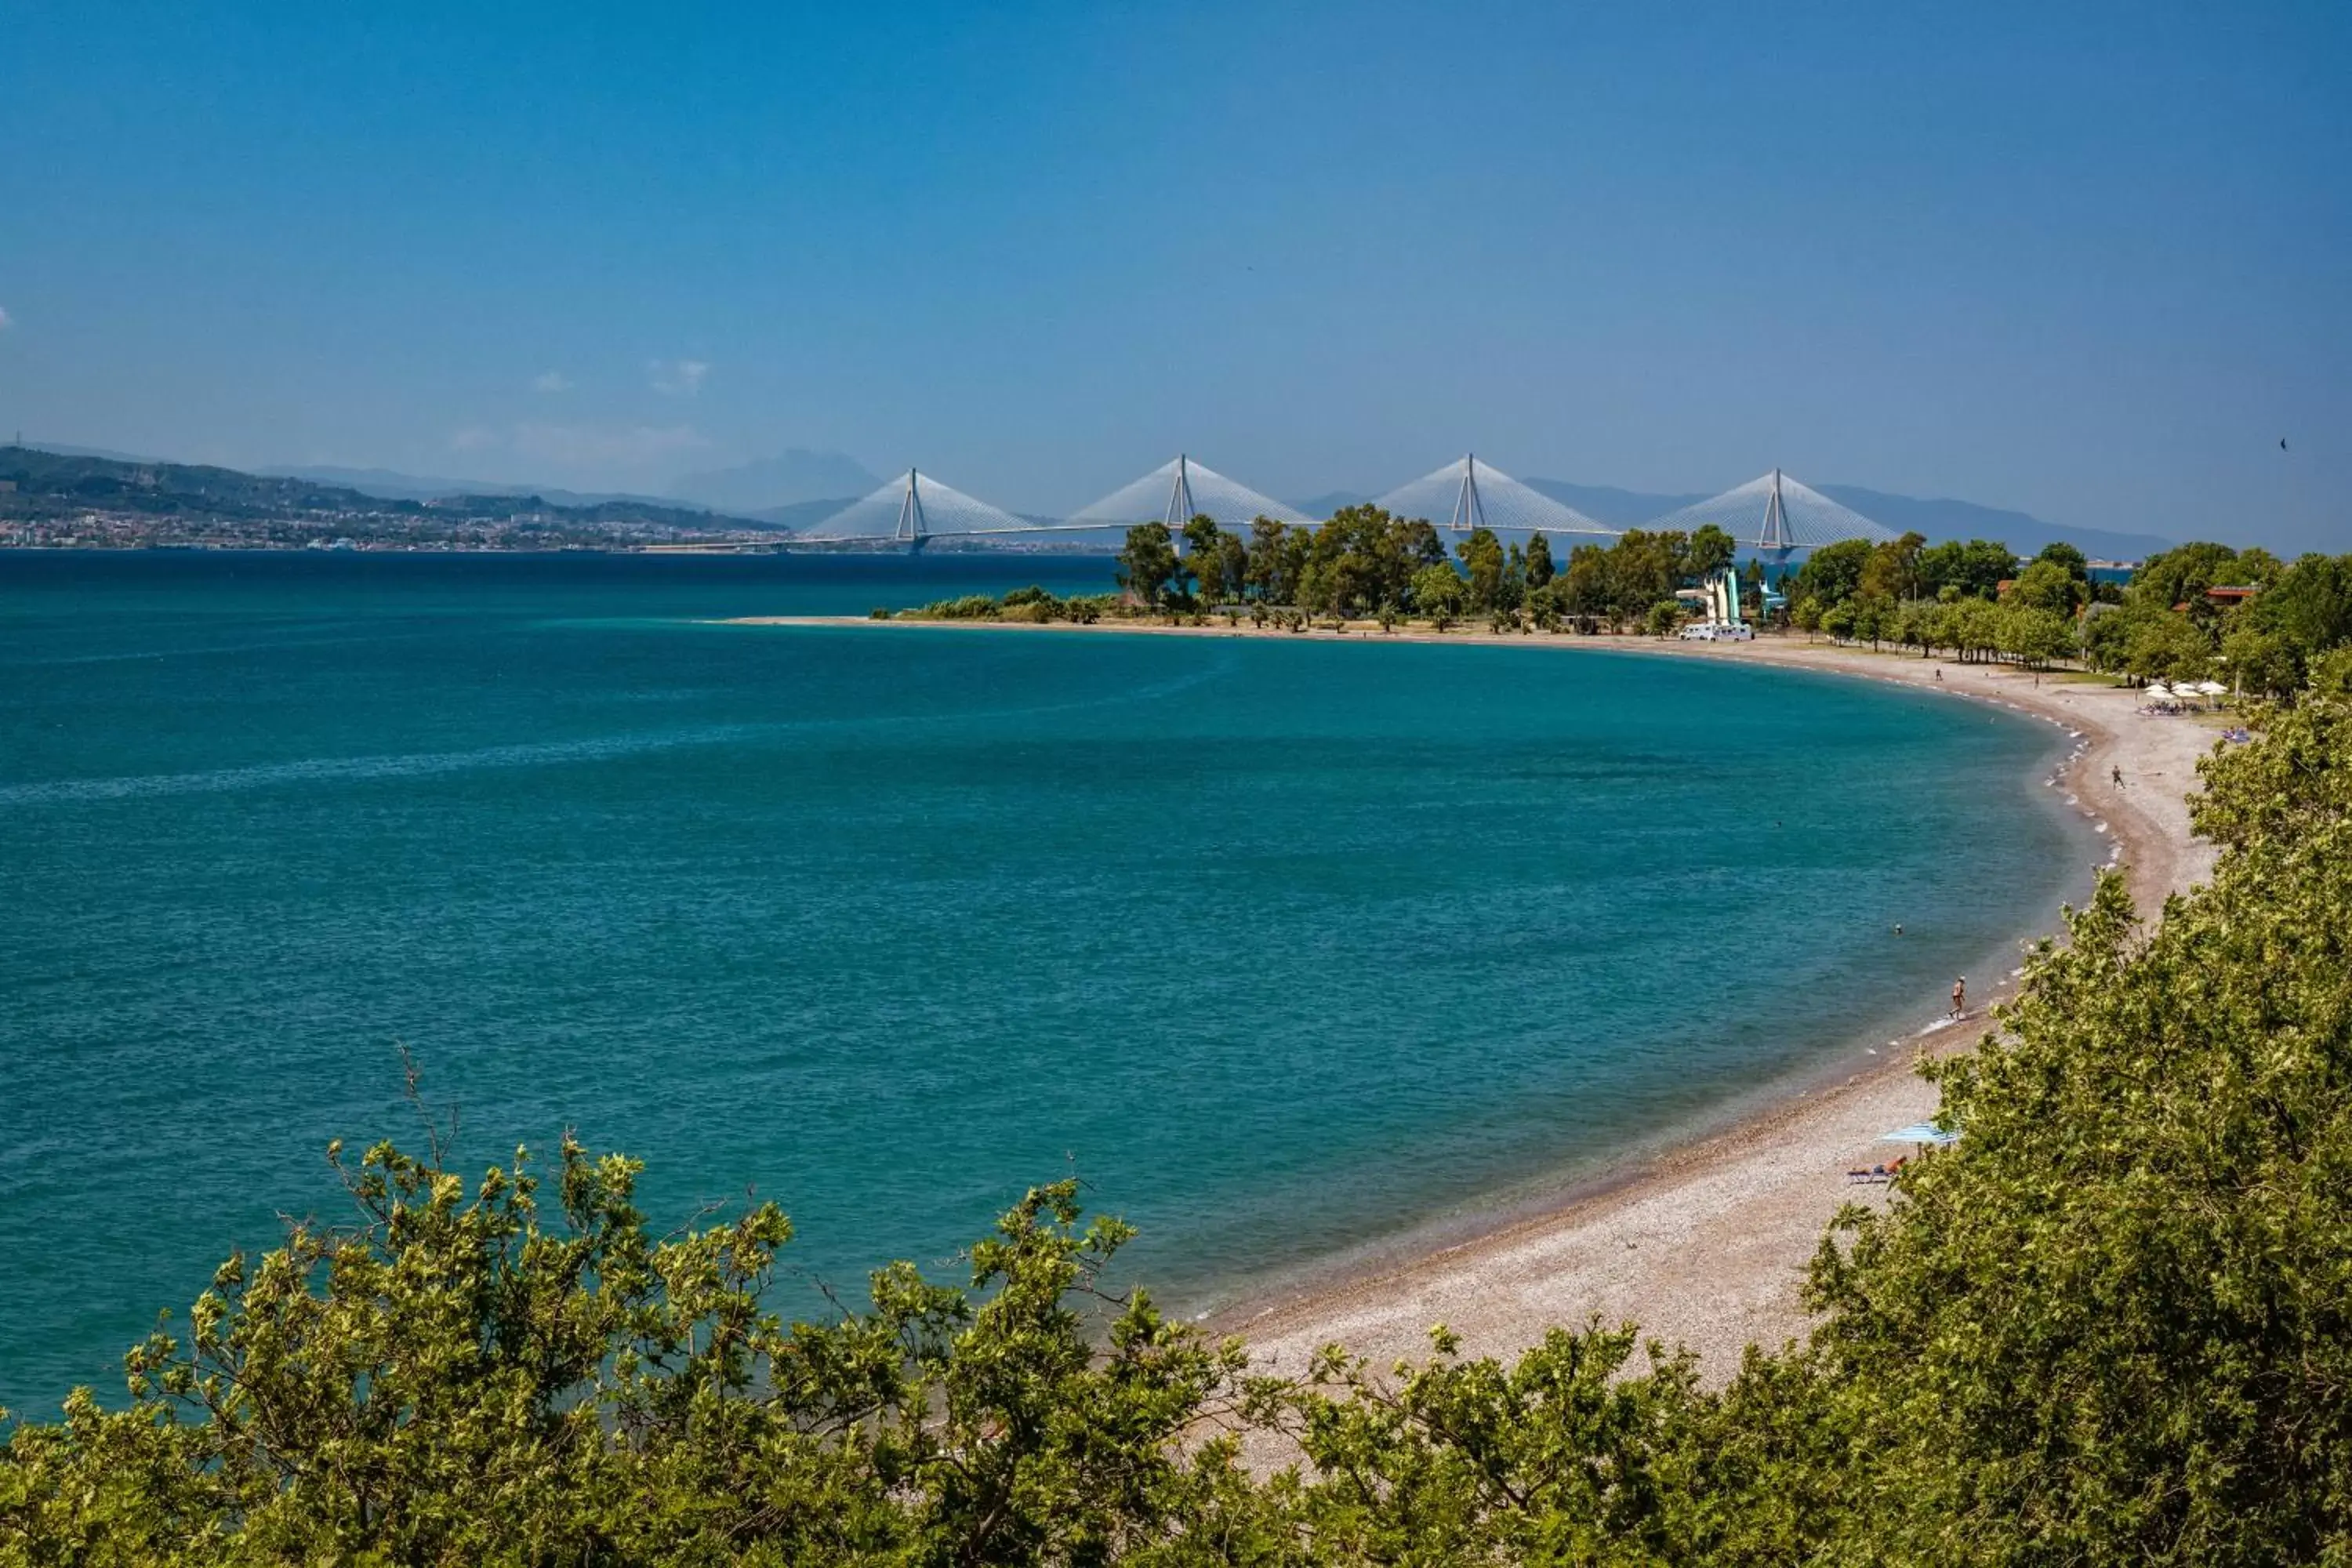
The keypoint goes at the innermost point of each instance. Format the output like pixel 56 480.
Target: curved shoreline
pixel 1705 1243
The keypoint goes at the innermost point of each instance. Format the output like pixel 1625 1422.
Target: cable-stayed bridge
pixel 914 507
pixel 1474 495
pixel 1176 492
pixel 911 510
pixel 1772 514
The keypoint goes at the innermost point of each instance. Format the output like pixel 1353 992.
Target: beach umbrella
pixel 1921 1132
pixel 2159 691
pixel 2213 688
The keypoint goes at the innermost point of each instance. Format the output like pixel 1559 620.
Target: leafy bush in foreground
pixel 2110 1326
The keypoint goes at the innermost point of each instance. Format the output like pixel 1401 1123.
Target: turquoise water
pixel 1284 947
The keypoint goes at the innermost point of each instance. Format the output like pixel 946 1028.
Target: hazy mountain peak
pixel 790 477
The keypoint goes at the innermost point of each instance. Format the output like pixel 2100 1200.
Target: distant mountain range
pixel 793 478
pixel 794 491
pixel 389 484
pixel 2021 531
pixel 1330 501
pixel 43 485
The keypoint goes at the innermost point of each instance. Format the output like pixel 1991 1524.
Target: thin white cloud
pixel 550 381
pixel 678 377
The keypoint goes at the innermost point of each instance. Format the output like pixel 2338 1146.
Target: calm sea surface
pixel 1286 948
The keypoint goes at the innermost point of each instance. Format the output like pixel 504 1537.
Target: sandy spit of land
pixel 1707 1245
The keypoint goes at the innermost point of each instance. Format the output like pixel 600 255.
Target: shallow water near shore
pixel 1282 947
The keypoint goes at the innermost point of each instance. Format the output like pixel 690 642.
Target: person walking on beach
pixel 1960 997
pixel 2116 773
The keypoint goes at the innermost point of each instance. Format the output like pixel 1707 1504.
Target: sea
pixel 1289 950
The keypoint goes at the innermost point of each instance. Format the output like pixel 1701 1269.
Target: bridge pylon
pixel 1180 496
pixel 1469 510
pixel 912 527
pixel 1774 535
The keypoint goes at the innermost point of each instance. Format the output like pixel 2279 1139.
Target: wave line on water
pixel 418 764
pixel 212 650
pixel 313 770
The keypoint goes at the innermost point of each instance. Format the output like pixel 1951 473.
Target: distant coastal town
pixel 62 500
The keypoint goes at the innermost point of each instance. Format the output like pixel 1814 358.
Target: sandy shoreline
pixel 1707 1244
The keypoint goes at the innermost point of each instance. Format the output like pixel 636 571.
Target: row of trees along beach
pixel 2199 612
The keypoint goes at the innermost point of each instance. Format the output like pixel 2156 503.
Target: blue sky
pixel 2093 262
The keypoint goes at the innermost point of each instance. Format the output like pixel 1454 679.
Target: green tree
pixel 1585 588
pixel 1892 569
pixel 1203 556
pixel 1269 573
pixel 1833 573
pixel 2107 636
pixel 1421 545
pixel 1148 567
pixel 2177 578
pixel 2331 673
pixel 1540 566
pixel 1297 552
pixel 1919 624
pixel 1873 617
pixel 1642 568
pixel 1710 551
pixel 1362 558
pixel 1486 564
pixel 2263 664
pixel 1439 593
pixel 2310 604
pixel 1665 618
pixel 1232 569
pixel 2036 636
pixel 1971 570
pixel 2063 555
pixel 2047 586
pixel 1973 627
pixel 2257 568
pixel 2162 645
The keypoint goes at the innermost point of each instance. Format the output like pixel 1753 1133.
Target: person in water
pixel 1960 997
